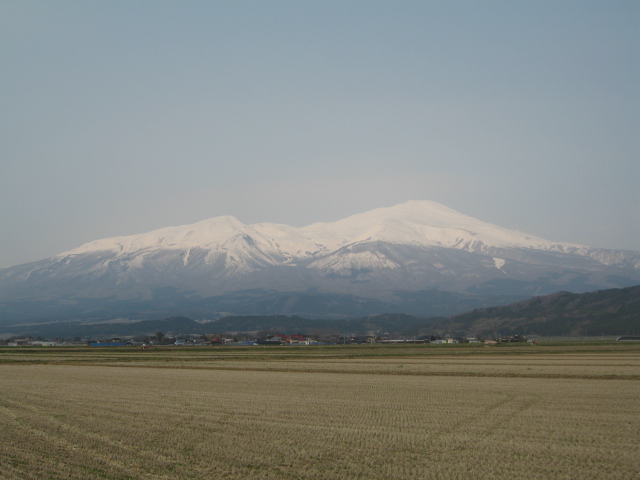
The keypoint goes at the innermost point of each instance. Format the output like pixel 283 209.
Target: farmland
pixel 368 412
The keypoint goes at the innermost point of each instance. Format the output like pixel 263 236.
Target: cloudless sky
pixel 121 117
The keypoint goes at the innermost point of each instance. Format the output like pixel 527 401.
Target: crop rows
pixel 87 421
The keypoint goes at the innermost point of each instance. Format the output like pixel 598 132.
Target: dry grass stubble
pixel 114 422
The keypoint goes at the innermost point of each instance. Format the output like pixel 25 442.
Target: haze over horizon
pixel 120 118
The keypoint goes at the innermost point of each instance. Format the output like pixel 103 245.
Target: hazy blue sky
pixel 121 117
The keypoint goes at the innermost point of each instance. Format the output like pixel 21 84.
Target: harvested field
pixel 319 414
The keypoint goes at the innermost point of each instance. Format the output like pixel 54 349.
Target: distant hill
pixel 176 325
pixel 605 312
pixel 386 324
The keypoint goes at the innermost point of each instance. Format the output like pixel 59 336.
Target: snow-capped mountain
pixel 246 248
pixel 411 247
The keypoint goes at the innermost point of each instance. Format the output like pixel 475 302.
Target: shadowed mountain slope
pixel 387 259
pixel 604 312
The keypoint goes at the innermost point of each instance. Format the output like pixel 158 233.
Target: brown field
pixel 361 412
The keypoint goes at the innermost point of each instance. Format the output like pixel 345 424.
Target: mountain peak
pixel 206 232
pixel 416 222
pixel 423 222
pixel 413 247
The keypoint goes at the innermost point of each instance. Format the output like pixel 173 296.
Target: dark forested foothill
pixel 605 312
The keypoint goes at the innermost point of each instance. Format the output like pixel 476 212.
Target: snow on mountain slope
pixel 418 223
pixel 424 223
pixel 427 225
pixel 413 246
pixel 394 238
pixel 207 233
pixel 241 245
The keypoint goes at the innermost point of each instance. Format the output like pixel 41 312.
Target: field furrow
pixel 320 420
